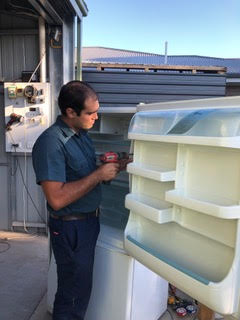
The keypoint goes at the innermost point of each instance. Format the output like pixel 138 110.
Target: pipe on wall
pixel 42 49
pixel 78 55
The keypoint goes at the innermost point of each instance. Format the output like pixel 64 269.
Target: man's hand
pixel 108 171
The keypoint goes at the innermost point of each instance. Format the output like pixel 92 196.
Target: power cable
pixel 21 173
pixel 25 208
pixel 23 10
pixel 37 66
pixel 14 172
pixel 22 177
pixel 4 242
pixel 170 314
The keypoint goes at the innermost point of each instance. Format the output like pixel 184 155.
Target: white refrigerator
pixel 184 204
pixel 123 288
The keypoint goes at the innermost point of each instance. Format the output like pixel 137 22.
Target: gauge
pixel 30 91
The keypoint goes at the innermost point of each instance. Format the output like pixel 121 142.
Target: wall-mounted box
pixel 27 114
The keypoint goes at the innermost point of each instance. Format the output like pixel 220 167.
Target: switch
pixel 20 92
pixel 12 92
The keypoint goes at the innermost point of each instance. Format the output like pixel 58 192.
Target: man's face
pixel 88 115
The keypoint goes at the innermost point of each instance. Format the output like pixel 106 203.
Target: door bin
pixel 185 197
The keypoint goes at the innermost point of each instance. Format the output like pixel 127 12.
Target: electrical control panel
pixel 27 114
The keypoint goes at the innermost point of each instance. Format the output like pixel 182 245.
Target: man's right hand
pixel 108 171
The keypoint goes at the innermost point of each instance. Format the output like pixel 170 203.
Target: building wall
pixel 126 89
pixel 19 52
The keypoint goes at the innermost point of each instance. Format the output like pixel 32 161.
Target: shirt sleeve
pixel 49 160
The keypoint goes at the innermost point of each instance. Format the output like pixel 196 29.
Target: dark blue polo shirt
pixel 60 154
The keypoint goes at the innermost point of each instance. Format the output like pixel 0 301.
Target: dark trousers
pixel 73 244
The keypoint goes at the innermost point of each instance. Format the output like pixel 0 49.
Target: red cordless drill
pixel 113 157
pixel 13 119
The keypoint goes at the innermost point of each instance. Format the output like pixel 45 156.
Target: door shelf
pixel 168 261
pixel 152 172
pixel 160 211
pixel 195 255
pixel 220 208
pixel 230 142
pixel 189 160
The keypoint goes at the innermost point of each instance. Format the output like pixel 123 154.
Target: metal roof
pixel 111 55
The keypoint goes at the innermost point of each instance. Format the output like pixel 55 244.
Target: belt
pixel 79 216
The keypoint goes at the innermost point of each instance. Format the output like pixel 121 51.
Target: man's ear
pixel 71 113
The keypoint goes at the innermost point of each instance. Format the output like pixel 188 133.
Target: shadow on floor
pixel 23 269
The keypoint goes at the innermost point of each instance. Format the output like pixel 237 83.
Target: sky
pixel 191 27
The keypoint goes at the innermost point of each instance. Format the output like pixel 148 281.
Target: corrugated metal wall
pixel 19 46
pixel 18 52
pixel 126 89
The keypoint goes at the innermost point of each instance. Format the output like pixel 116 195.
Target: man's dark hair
pixel 74 94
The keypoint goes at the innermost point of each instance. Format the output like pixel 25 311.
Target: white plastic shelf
pixel 192 270
pixel 152 209
pixel 196 256
pixel 152 172
pixel 229 142
pixel 216 207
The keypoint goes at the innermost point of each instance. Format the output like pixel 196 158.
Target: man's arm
pixel 60 194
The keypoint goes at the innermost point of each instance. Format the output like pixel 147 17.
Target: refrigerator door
pixel 185 198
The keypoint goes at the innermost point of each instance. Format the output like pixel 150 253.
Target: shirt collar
pixel 69 132
pixel 64 127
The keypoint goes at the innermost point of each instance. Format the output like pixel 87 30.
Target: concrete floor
pixel 23 281
pixel 23 269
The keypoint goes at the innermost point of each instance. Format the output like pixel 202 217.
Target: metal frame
pixel 41 10
pixel 80 9
pixel 47 11
pixel 51 11
pixel 79 38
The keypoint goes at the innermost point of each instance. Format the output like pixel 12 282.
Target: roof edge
pixel 100 66
pixel 160 55
pixel 83 7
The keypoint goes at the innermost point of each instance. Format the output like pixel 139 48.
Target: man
pixel 65 165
